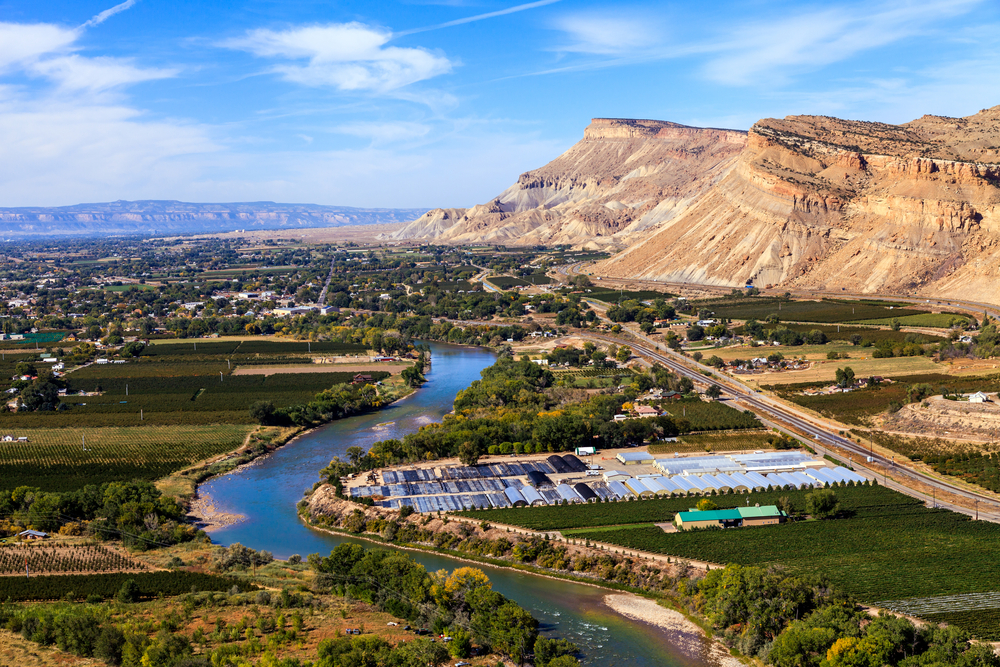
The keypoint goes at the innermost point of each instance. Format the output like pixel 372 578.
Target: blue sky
pixel 435 103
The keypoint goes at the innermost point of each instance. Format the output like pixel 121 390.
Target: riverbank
pixel 184 485
pixel 692 639
pixel 684 633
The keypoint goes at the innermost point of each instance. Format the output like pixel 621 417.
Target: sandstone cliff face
pixel 820 202
pixel 624 176
pixel 806 201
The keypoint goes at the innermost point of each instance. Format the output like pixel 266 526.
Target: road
pixel 788 419
pixel 821 437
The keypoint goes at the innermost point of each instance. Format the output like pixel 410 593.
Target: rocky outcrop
pixel 623 177
pixel 819 202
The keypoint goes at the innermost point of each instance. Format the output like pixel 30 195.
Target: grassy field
pixel 55 460
pixel 824 370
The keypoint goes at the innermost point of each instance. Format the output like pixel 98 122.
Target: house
pixel 32 535
pixel 8 438
pixel 979 397
pixel 646 411
pixel 361 379
pixel 730 518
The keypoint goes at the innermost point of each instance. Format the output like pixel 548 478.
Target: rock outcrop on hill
pixel 176 217
pixel 806 201
pixel 623 177
pixel 818 202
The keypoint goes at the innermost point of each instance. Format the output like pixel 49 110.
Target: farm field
pixel 934 320
pixel 65 559
pixel 824 370
pixel 507 282
pixel 873 334
pixel 712 415
pixel 824 311
pixel 160 394
pixel 106 585
pixel 614 296
pixel 54 459
pixel 884 546
pixel 716 442
pixel 853 407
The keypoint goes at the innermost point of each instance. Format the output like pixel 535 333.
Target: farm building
pixel 979 397
pixel 731 518
pixel 32 535
pixel 615 475
pixel 585 451
pixel 635 458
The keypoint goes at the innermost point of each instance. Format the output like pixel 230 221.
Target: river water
pixel 266 491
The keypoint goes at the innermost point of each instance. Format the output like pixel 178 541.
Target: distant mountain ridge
pixel 175 217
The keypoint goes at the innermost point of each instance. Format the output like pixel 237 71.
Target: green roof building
pixel 730 518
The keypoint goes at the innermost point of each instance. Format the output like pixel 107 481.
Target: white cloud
pixel 20 43
pixel 55 152
pixel 108 13
pixel 780 47
pixel 75 72
pixel 386 132
pixel 608 34
pixel 347 56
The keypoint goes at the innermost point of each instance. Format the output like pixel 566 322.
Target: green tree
pixel 705 505
pixel 845 376
pixel 468 453
pixel 822 503
pixel 713 391
pixel 262 412
pixel 129 592
pixel 624 354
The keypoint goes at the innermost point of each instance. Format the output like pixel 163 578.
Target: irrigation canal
pixel 266 491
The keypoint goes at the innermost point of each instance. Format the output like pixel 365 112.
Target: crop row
pixel 90 558
pixel 982 623
pixel 827 310
pixel 712 416
pixel 657 510
pixel 81 586
pixel 883 548
pixel 55 459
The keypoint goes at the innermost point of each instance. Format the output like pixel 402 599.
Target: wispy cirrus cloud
pixel 812 39
pixel 108 13
pixel 608 34
pixel 347 56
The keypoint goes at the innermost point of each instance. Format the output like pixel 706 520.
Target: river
pixel 266 491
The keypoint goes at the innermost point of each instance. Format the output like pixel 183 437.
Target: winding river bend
pixel 266 491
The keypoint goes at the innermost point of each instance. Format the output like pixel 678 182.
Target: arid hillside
pixel 805 201
pixel 623 177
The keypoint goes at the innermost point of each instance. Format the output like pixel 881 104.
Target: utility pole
pixel 220 377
